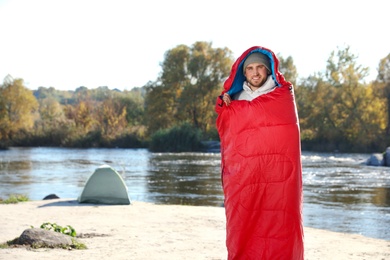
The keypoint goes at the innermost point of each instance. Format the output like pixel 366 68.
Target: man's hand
pixel 226 98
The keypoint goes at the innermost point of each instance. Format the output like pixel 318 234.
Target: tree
pixel 159 105
pixel 17 108
pixel 51 112
pixel 112 118
pixel 162 96
pixel 339 109
pixel 342 68
pixel 84 115
pixel 207 68
pixel 288 69
pixel 134 102
pixel 356 108
pixel 190 81
pixel 383 85
pixel 315 101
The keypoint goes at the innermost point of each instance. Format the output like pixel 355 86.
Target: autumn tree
pixel 207 68
pixel 161 101
pixel 17 109
pixel 288 69
pixel 340 108
pixel 84 116
pixel 82 113
pixel 190 81
pixel 111 117
pixel 359 113
pixel 382 85
pixel 51 113
pixel 134 102
pixel 312 98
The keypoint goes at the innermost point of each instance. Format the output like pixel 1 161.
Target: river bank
pixel 149 231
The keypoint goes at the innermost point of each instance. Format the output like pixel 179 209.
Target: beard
pixel 257 83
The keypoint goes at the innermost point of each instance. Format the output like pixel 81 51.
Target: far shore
pixel 148 231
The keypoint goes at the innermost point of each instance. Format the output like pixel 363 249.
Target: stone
pixel 387 157
pixel 51 197
pixel 376 159
pixel 39 237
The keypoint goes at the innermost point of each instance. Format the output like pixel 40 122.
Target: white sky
pixel 121 44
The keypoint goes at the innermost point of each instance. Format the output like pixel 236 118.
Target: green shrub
pixel 67 230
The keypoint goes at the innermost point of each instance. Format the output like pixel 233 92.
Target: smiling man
pixel 260 160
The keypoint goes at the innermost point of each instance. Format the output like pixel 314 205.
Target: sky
pixel 121 44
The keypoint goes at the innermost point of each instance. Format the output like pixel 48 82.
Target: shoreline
pixel 151 231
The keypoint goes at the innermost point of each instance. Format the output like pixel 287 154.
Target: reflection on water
pixel 193 177
pixel 340 193
pixel 381 197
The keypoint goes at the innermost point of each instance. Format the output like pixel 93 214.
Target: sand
pixel 148 231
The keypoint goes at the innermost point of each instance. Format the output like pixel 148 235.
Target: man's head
pixel 257 57
pixel 256 69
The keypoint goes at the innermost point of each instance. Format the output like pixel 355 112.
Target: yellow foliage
pixel 17 107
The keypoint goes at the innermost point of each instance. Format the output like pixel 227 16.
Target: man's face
pixel 256 74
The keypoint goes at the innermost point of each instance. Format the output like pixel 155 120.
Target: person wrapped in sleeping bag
pixel 260 161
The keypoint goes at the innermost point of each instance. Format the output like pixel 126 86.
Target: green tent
pixel 105 186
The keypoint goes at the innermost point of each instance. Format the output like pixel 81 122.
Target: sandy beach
pixel 148 231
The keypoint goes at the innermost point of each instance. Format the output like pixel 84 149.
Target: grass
pixel 15 244
pixel 14 198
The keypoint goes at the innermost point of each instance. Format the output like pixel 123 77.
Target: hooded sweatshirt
pixel 248 94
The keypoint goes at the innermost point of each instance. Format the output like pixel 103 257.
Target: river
pixel 340 192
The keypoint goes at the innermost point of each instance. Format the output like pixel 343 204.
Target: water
pixel 340 193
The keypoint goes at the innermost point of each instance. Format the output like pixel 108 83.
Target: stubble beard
pixel 257 83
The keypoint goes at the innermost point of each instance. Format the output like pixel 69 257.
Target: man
pixel 260 160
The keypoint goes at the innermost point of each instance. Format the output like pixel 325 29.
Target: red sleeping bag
pixel 261 169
